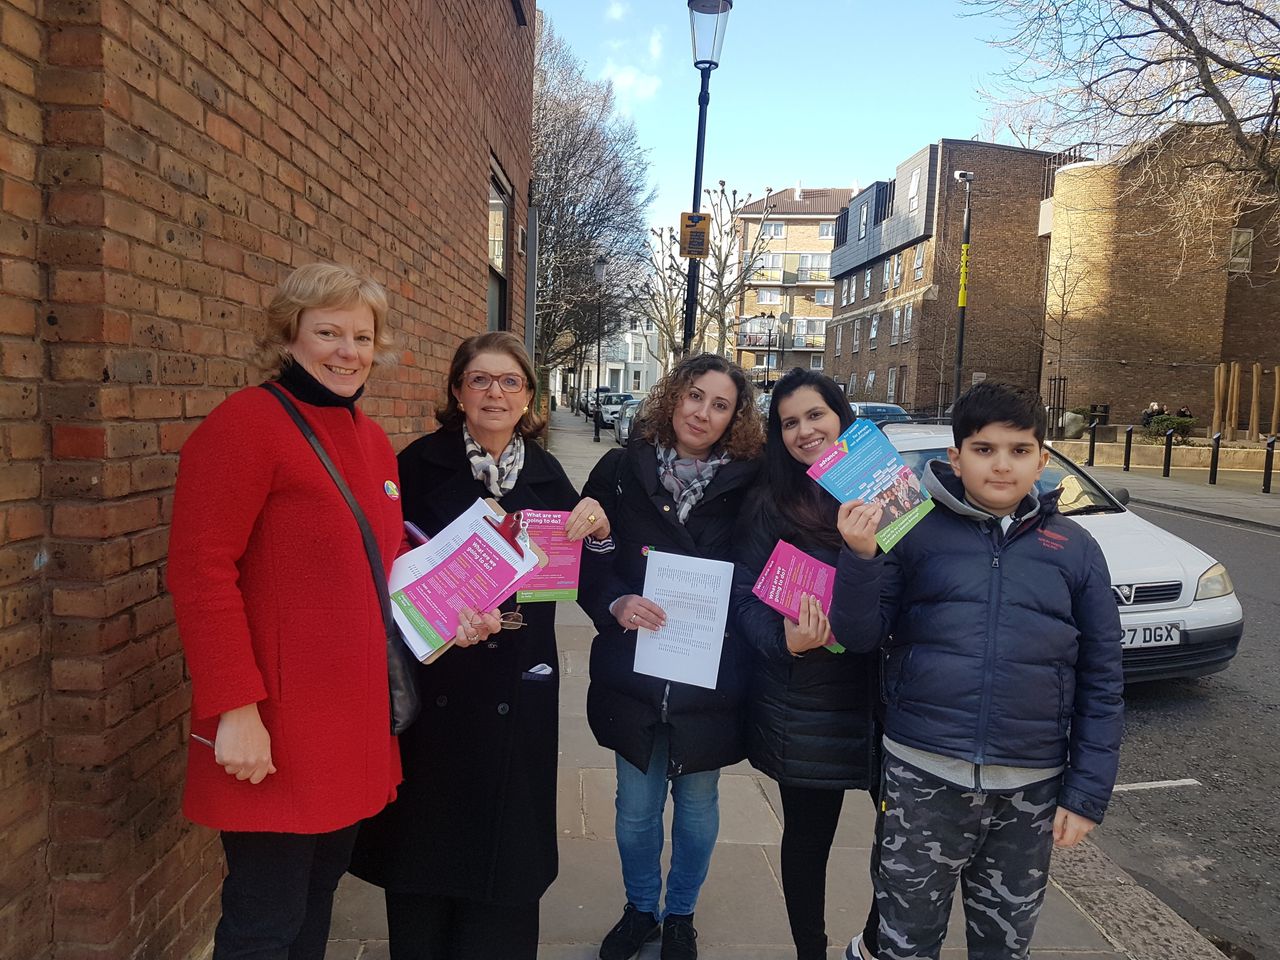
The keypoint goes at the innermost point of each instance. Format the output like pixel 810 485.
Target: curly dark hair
pixel 744 437
pixel 451 417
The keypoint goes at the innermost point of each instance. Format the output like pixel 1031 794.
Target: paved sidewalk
pixel 1236 496
pixel 1094 911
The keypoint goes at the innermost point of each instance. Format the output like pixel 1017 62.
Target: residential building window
pixel 637 352
pixel 826 298
pixel 903 397
pixel 648 325
pixel 875 330
pixel 862 221
pixel 906 324
pixel 895 331
pixel 1241 250
pixel 919 261
pixel 853 384
pixel 888 269
pixel 844 292
pixel 769 295
pixel 827 230
pixel 635 381
pixel 839 336
pixel 871 383
pixel 800 327
pixel 769 267
pixel 775 229
pixel 817 326
pixel 814 267
pixel 897 270
pixel 499 217
pixel 891 392
pixel 857 335
pixel 815 361
pixel 633 324
pixel 913 195
pixel 866 284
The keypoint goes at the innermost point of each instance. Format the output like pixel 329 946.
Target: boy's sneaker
pixel 679 939
pixel 634 930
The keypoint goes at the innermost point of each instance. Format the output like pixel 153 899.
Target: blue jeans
pixel 639 829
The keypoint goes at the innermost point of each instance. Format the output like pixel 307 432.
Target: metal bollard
pixel 1213 458
pixel 1093 442
pixel 1267 463
pixel 1168 451
pixel 1128 447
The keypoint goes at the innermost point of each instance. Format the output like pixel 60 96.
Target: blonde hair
pixel 321 285
pixel 451 417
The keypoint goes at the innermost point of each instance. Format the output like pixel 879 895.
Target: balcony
pixel 793 269
pixel 754 340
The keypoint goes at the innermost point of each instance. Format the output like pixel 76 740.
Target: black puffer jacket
pixel 624 708
pixel 810 719
pixel 999 648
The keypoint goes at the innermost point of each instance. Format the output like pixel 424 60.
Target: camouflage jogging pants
pixel 929 834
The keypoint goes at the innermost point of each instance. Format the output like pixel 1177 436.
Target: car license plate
pixel 1152 635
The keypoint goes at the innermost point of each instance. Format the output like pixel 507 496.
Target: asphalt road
pixel 1212 852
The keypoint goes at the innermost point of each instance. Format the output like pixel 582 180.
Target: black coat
pixel 624 708
pixel 810 719
pixel 476 814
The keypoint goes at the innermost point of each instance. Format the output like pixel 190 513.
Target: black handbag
pixel 402 666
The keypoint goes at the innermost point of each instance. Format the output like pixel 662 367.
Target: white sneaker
pixel 854 950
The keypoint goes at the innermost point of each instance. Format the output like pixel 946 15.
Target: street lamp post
pixel 707 22
pixel 965 177
pixel 600 266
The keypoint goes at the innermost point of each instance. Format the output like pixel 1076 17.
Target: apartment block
pixel 896 269
pixel 783 313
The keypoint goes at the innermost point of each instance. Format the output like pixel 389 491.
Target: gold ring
pixel 591 518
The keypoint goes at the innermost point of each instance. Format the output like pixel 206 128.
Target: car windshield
pixel 1080 494
pixel 613 399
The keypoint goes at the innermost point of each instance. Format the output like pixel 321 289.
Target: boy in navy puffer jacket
pixel 1002 684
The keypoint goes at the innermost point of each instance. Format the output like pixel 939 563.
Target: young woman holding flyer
pixel 467 850
pixel 677 488
pixel 810 724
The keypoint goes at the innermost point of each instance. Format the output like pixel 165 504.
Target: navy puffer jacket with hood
pixel 998 648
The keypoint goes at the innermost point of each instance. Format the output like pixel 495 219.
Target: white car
pixel 1179 610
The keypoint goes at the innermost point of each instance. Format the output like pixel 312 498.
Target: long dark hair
pixel 808 511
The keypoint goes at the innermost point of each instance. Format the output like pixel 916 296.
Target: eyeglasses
pixel 509 382
pixel 513 620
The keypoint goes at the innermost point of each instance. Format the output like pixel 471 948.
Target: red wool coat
pixel 276 606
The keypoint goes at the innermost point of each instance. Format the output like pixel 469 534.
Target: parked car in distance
pixel 880 413
pixel 627 415
pixel 587 401
pixel 763 399
pixel 610 404
pixel 1178 608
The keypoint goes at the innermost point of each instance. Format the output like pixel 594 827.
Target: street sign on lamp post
pixel 708 20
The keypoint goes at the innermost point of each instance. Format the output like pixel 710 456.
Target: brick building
pixel 783 312
pixel 896 270
pixel 162 166
pixel 1135 312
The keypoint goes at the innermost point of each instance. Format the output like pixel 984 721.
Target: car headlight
pixel 1214 582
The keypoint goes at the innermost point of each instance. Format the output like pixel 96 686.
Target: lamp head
pixel 963 176
pixel 707 22
pixel 600 266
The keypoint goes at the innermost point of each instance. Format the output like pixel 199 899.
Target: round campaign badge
pixel 391 490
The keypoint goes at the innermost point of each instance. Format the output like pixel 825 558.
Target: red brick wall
pixel 24 750
pixel 192 154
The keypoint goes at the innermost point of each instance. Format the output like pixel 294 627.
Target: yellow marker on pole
pixel 964 275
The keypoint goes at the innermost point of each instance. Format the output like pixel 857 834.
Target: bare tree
pixel 1190 89
pixel 657 297
pixel 590 187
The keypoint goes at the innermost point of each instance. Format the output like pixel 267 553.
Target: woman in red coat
pixel 281 622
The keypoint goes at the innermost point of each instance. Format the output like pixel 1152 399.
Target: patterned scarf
pixel 687 479
pixel 498 477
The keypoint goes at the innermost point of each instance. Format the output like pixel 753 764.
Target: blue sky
pixel 821 91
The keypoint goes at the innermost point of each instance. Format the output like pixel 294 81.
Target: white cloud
pixel 616 10
pixel 631 85
pixel 655 45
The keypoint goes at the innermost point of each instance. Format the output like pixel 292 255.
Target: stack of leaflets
pixel 863 465
pixel 478 561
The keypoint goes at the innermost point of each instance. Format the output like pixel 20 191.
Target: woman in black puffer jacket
pixel 810 723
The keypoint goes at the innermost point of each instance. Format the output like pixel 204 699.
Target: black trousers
pixel 809 819
pixel 428 927
pixel 277 898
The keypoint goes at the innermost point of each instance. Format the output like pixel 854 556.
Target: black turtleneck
pixel 295 378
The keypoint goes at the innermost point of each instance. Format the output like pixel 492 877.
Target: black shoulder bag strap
pixel 401 664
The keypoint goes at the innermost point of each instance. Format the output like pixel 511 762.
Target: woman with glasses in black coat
pixel 469 847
